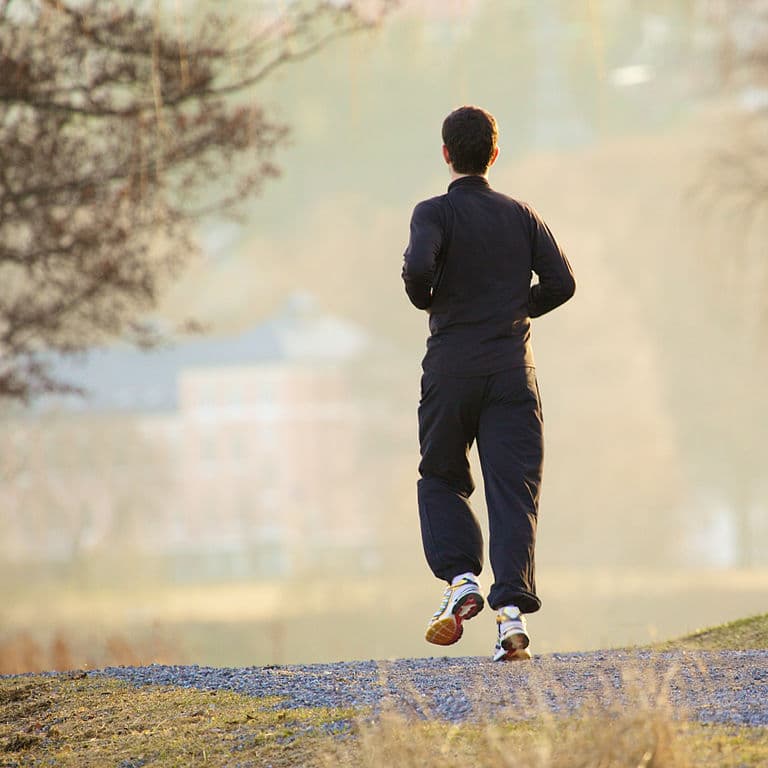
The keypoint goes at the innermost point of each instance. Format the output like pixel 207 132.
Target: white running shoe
pixel 513 640
pixel 460 603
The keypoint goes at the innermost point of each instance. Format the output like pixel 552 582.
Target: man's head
pixel 469 139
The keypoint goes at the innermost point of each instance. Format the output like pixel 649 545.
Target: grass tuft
pixel 615 740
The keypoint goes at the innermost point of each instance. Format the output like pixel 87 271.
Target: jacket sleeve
pixel 420 256
pixel 556 283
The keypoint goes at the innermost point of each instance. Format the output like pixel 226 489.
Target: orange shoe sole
pixel 448 630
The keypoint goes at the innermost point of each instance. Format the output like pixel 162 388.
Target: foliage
pixel 115 127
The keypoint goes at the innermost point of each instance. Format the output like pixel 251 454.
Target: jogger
pixel 469 263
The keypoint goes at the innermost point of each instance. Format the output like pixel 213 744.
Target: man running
pixel 469 264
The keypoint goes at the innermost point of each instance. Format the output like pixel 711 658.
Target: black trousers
pixel 503 413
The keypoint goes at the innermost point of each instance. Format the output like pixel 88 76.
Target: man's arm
pixel 421 254
pixel 556 283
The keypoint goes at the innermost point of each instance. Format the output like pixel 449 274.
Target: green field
pixel 58 626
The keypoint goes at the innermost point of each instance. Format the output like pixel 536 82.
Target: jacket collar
pixel 469 181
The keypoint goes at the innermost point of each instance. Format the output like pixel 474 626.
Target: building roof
pixel 124 378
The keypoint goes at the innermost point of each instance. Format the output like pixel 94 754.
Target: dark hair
pixel 470 134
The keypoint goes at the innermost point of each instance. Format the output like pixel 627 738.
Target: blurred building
pixel 267 464
pixel 229 457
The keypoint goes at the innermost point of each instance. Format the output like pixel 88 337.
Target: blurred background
pixel 245 495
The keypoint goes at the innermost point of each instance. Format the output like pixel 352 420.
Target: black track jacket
pixel 469 263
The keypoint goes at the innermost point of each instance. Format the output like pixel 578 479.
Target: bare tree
pixel 721 404
pixel 119 127
pixel 736 182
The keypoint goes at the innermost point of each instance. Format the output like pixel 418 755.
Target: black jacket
pixel 469 263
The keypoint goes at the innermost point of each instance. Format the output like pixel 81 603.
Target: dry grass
pixel 81 721
pixel 78 721
pixel 639 728
pixel 638 733
pixel 608 739
pixel 618 740
pixel 24 652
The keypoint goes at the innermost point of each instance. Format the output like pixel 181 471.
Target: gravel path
pixel 723 687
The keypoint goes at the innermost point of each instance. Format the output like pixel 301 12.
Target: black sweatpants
pixel 502 412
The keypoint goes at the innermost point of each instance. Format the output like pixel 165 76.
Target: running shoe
pixel 513 640
pixel 460 603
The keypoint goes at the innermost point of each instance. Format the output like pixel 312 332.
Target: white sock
pixel 468 575
pixel 513 609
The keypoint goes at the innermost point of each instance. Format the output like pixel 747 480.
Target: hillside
pixel 670 708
